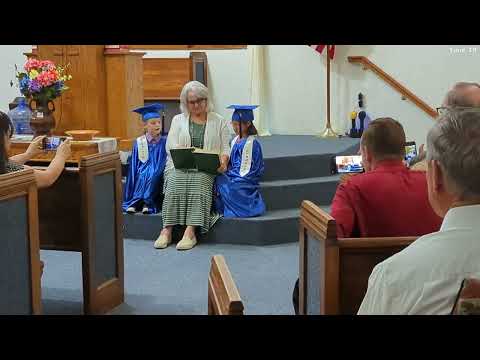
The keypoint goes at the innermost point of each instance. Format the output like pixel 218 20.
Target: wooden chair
pixel 20 290
pixel 334 272
pixel 223 296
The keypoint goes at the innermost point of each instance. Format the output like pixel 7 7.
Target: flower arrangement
pixel 42 80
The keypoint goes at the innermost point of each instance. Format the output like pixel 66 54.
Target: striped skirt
pixel 188 199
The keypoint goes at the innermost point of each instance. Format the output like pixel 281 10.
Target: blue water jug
pixel 20 117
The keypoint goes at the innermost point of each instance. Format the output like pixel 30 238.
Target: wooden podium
pixel 82 212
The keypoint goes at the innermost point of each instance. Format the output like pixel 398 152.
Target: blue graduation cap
pixel 242 112
pixel 151 111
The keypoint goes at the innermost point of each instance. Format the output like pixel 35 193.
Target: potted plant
pixel 41 82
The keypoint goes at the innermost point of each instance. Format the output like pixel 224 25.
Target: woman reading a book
pixel 189 192
pixel 237 191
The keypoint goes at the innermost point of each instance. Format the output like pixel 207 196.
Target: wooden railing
pixel 368 65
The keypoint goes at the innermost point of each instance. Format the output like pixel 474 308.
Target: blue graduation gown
pixel 238 196
pixel 144 180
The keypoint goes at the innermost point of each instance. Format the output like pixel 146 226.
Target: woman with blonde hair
pixel 189 193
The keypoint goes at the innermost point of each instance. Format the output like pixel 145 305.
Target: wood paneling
pixel 125 92
pixel 185 47
pixel 163 79
pixel 83 105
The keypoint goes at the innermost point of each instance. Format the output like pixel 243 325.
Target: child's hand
pixel 222 168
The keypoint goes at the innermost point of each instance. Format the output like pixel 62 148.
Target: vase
pixel 42 121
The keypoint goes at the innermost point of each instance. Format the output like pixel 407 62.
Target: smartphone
pixel 347 164
pixel 410 151
pixel 51 143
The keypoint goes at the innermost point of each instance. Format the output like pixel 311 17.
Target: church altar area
pixel 297 168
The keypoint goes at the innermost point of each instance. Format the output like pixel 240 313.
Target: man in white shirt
pixel 425 277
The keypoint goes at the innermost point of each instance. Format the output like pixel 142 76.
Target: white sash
pixel 247 156
pixel 142 145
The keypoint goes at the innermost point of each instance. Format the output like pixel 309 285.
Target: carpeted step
pixel 275 227
pixel 288 194
pixel 299 157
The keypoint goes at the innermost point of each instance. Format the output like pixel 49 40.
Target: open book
pixel 194 158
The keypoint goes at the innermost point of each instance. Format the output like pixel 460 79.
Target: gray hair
pixel 459 95
pixel 199 90
pixel 454 141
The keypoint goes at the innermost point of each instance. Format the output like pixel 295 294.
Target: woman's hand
pixel 35 147
pixel 64 150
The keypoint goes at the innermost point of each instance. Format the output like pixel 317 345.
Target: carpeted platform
pixel 170 282
pixel 296 168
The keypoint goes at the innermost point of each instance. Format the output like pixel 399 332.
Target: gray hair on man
pixel 454 142
pixel 463 94
pixel 199 90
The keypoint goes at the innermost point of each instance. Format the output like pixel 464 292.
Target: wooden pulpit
pixel 82 212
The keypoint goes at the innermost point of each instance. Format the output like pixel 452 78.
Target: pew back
pixel 334 272
pixel 20 250
pixel 223 295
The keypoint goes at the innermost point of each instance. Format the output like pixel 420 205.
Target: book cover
pixel 207 161
pixel 183 158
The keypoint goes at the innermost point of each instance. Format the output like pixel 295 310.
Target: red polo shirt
pixel 388 201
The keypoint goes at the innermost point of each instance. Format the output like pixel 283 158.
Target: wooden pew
pixel 223 296
pixel 334 272
pixel 20 290
pixel 82 212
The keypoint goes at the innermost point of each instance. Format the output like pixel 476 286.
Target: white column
pixel 256 62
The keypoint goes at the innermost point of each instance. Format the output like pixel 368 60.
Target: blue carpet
pixel 169 282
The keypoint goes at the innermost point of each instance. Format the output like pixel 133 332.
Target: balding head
pixel 463 94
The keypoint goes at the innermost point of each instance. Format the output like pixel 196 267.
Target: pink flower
pixel 47 64
pixel 45 79
pixel 31 64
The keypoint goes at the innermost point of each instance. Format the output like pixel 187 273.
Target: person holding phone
pixel 44 178
pixel 388 199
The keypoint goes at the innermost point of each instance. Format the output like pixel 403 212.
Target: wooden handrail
pixel 367 64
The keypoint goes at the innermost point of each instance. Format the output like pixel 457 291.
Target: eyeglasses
pixel 196 102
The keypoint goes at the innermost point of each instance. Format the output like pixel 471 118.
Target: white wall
pixel 295 82
pixel 9 56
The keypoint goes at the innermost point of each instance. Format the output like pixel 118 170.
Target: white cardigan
pixel 217 135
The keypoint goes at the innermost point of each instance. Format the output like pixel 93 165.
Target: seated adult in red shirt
pixel 388 199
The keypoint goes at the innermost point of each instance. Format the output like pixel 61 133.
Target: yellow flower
pixel 33 74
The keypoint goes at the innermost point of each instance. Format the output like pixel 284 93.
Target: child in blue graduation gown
pixel 143 189
pixel 237 190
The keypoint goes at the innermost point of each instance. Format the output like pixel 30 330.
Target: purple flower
pixel 34 86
